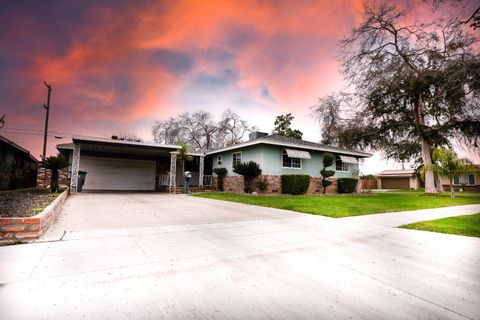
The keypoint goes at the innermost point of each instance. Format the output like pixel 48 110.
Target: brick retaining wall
pixel 44 177
pixel 32 227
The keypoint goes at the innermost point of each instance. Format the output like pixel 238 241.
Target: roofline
pixel 124 142
pixel 395 175
pixel 16 146
pixel 259 141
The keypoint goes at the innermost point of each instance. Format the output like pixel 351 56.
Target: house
pixel 112 164
pixel 278 155
pixel 13 154
pixel 398 179
pixel 467 182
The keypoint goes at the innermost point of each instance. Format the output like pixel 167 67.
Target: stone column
pixel 200 171
pixel 173 173
pixel 75 168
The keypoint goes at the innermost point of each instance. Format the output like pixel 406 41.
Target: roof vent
pixel 256 135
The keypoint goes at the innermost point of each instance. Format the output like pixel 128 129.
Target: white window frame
pixel 344 165
pixel 463 178
pixel 219 160
pixel 240 153
pixel 284 151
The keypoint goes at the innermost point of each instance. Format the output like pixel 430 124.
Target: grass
pixel 338 206
pixel 462 225
pixel 422 191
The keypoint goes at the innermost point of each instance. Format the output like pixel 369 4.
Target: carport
pixel 119 165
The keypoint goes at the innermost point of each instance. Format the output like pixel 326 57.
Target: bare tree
pixel 200 130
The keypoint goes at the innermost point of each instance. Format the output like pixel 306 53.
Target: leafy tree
pixel 54 163
pixel 183 156
pixel 328 160
pixel 417 87
pixel 446 163
pixel 249 170
pixel 221 174
pixel 283 125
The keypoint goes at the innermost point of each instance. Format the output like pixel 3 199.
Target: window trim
pixel 343 164
pixel 468 180
pixel 241 157
pixel 291 168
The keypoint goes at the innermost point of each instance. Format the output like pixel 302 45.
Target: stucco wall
pixel 269 158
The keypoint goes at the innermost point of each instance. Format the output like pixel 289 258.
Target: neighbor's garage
pixel 395 183
pixel 118 174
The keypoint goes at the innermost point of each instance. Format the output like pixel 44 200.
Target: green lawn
pixel 461 225
pixel 338 206
pixel 445 193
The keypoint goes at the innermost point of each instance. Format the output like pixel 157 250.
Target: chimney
pixel 256 135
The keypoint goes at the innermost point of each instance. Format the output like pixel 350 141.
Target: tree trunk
pixel 452 192
pixel 438 183
pixel 54 181
pixel 426 155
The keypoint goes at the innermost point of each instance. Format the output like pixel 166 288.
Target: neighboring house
pixel 398 179
pixel 278 155
pixel 112 164
pixel 468 182
pixel 23 162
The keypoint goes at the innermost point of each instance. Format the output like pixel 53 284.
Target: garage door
pixel 118 174
pixel 395 183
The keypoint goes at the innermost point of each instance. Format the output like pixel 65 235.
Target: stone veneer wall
pixel 234 184
pixel 44 178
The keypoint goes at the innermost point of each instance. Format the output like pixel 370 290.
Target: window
pixel 341 166
pixel 287 162
pixel 468 179
pixel 236 158
pixel 219 160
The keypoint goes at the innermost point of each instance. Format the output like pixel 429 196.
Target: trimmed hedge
pixel 346 185
pixel 295 183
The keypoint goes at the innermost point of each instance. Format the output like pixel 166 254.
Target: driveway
pixel 153 256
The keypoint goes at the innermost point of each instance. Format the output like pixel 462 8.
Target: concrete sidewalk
pixel 223 260
pixel 396 219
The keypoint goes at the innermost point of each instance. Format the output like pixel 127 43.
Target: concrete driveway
pixel 129 256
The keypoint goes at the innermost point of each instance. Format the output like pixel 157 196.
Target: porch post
pixel 200 171
pixel 173 172
pixel 75 168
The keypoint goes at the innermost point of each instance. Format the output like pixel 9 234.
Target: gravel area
pixel 24 203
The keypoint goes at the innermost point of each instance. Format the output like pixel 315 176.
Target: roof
pixel 397 173
pixel 81 138
pixel 275 139
pixel 16 146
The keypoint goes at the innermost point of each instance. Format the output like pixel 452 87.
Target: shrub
pixel 249 170
pixel 262 185
pixel 295 183
pixel 346 185
pixel 221 173
pixel 328 160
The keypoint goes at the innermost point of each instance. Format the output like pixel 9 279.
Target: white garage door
pixel 118 174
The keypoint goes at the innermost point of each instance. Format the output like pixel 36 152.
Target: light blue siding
pixel 269 157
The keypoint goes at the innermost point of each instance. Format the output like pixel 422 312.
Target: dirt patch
pixel 24 203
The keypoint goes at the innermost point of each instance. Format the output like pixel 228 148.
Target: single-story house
pixel 112 164
pixel 22 159
pixel 278 155
pixel 468 182
pixel 398 179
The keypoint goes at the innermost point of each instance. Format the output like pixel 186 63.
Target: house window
pixel 219 160
pixel 341 166
pixel 468 179
pixel 287 162
pixel 236 158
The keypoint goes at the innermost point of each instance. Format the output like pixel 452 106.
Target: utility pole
pixel 47 107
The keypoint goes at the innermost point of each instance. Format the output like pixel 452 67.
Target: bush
pixel 249 170
pixel 295 183
pixel 262 185
pixel 221 173
pixel 346 185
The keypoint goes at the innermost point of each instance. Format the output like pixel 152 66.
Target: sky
pixel 117 66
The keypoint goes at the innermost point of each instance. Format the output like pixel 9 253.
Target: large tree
pixel 283 126
pixel 200 130
pixel 415 87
